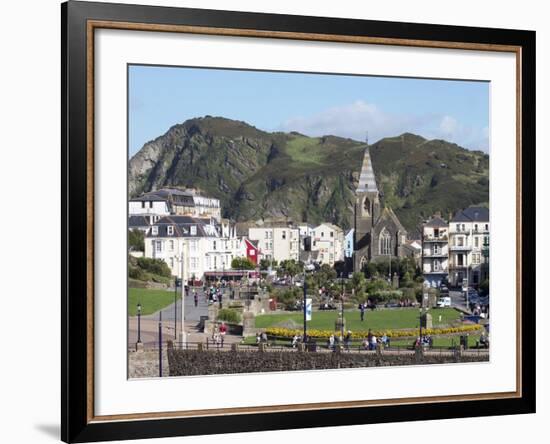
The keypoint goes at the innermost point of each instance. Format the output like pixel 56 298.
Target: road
pixel 458 300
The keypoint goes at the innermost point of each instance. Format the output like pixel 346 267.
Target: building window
pixel 154 230
pixel 486 227
pixel 457 227
pixel 142 204
pixel 476 241
pixel 475 227
pixel 213 245
pixel 170 230
pixel 171 245
pixel 193 230
pixel 437 265
pixel 436 232
pixel 460 260
pixel 158 246
pixel 284 235
pixel 332 234
pixel 460 241
pixel 322 234
pixel 437 249
pixel 385 243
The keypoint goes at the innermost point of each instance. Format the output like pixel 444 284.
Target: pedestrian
pixel 195 298
pixel 373 342
pixel 223 330
pixel 362 310
pixel 331 341
pixel 347 340
pixel 220 299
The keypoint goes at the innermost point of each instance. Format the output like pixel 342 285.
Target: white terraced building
pixel 276 242
pixel 435 251
pixel 469 236
pixel 328 240
pixel 193 246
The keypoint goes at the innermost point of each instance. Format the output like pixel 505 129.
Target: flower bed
pixel 390 333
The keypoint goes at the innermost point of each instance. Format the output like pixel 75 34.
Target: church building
pixel 378 232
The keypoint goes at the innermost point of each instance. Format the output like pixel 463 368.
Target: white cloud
pixel 355 119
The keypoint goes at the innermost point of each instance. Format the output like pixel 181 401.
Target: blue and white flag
pixel 308 309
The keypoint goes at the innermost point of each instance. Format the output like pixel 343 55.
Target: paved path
pixel 170 329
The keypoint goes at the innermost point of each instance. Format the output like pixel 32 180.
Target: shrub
pixel 136 240
pixel 155 266
pixel 242 263
pixel 229 315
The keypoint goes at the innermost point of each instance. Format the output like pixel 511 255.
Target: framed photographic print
pixel 275 221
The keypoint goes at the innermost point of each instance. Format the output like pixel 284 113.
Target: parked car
pixel 444 301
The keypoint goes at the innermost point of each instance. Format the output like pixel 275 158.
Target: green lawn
pixel 378 319
pixel 150 300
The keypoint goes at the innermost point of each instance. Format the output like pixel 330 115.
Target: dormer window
pixel 154 230
pixel 170 230
pixel 193 230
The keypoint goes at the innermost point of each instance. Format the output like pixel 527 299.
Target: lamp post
pixel 176 307
pixel 342 301
pixel 420 323
pixel 139 322
pixel 183 335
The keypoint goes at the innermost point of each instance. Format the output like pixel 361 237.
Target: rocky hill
pixel 257 174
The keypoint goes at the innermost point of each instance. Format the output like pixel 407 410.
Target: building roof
pixel 329 225
pixel 367 181
pixel 472 214
pixel 436 221
pixel 138 221
pixel 182 227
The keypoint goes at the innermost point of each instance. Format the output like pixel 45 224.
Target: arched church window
pixel 385 243
pixel 367 206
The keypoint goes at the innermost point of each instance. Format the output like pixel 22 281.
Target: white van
pixel 444 301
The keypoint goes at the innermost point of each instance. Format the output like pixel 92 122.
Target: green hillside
pixel 257 174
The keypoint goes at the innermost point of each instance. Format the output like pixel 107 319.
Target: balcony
pixel 443 238
pixel 435 255
pixel 453 266
pixel 460 247
pixel 440 271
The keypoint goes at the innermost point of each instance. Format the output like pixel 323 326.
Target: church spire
pixel 367 181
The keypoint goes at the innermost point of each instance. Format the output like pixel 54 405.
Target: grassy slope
pixel 379 319
pixel 258 174
pixel 151 300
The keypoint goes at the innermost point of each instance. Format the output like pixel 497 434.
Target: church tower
pixel 367 206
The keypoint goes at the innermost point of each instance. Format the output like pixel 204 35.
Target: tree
pixel 484 287
pixel 266 263
pixel 242 263
pixel 291 267
pixel 136 240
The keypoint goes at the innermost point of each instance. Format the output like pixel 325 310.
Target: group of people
pixel 218 335
pixel 261 337
pixel 424 341
pixel 213 294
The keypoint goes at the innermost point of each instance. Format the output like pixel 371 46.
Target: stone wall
pixel 145 364
pixel 192 362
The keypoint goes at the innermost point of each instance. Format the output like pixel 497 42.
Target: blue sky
pixel 312 104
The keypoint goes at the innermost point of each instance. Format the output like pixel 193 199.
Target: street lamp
pixel 183 335
pixel 139 322
pixel 176 307
pixel 420 323
pixel 342 300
